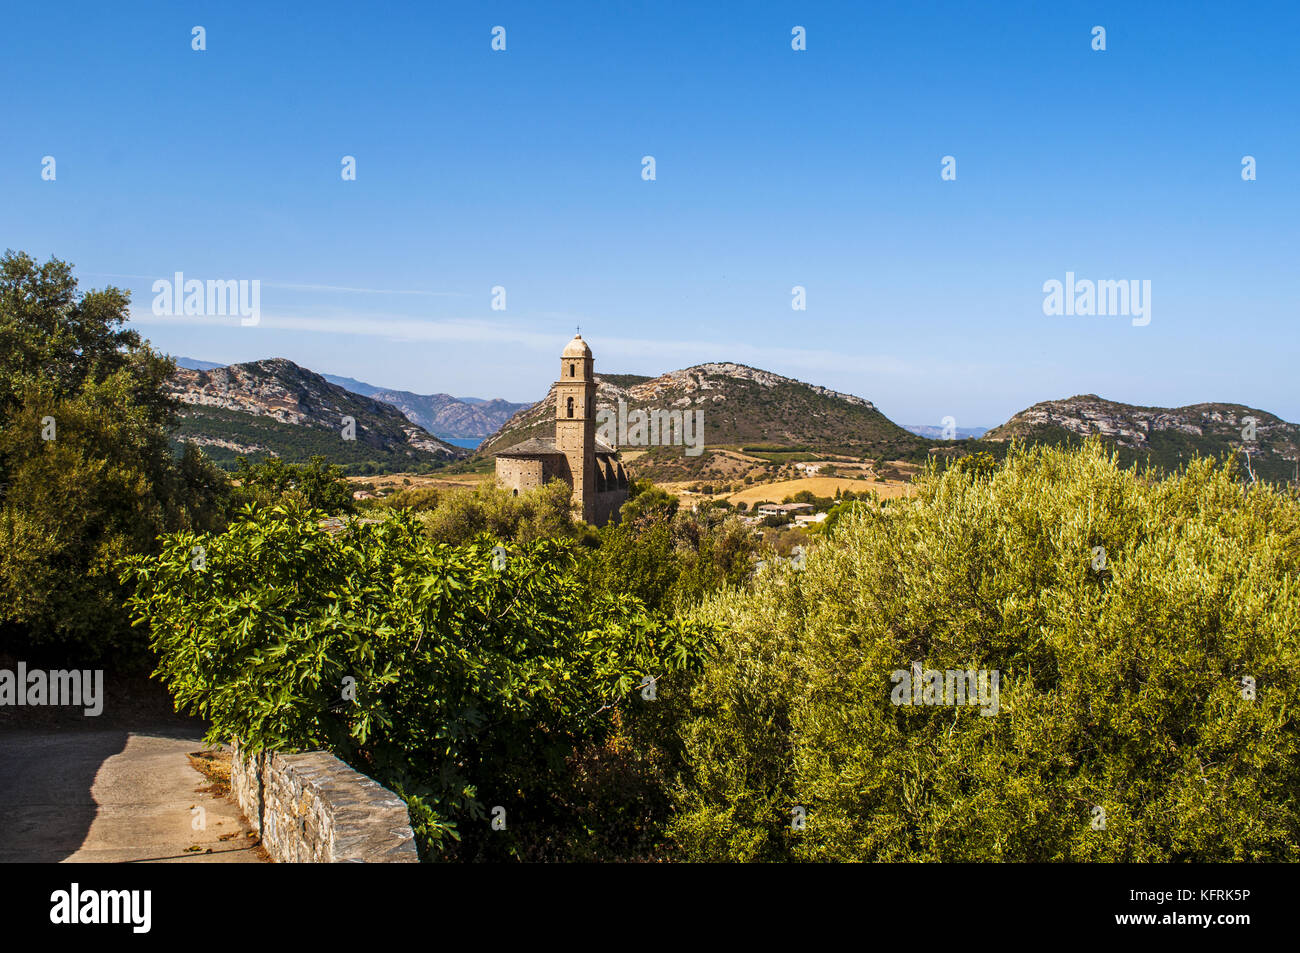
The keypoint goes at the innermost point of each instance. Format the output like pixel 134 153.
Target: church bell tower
pixel 575 422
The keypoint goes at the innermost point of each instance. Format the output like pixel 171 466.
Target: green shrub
pixel 671 558
pixel 475 681
pixel 418 499
pixel 316 484
pixel 1121 687
pixel 459 516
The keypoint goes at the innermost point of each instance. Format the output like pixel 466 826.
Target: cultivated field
pixel 819 486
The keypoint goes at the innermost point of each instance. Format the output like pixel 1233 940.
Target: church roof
pixel 545 447
pixel 576 348
pixel 535 447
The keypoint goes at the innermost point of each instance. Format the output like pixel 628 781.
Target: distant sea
pixel 936 433
pixel 469 443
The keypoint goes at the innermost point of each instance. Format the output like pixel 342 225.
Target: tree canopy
pixel 86 474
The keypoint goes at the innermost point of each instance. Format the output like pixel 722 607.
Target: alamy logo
pixel 103 906
pixel 193 297
pixel 1104 298
pixel 656 428
pixel 952 687
pixel 75 688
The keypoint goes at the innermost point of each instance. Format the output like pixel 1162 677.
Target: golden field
pixel 819 486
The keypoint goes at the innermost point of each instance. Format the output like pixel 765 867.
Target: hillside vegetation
pixel 274 407
pixel 226 435
pixel 1163 437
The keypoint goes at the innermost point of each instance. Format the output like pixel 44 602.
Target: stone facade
pixel 575 455
pixel 312 808
pixel 525 472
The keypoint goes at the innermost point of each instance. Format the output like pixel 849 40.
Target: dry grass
pixel 737 455
pixel 819 486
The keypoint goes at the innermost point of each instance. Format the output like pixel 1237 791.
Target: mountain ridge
pixel 740 405
pixel 1166 436
pixel 274 406
pixel 442 415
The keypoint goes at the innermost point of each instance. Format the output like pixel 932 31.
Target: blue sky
pixel 775 168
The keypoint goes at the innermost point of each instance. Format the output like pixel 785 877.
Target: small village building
pixel 784 509
pixel 805 519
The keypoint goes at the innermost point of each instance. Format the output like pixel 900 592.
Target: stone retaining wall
pixel 313 808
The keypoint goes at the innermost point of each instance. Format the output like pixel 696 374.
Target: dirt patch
pixel 215 766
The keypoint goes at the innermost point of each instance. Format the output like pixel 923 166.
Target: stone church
pixel 573 455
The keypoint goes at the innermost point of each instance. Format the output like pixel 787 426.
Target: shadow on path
pixel 46 779
pixel 114 796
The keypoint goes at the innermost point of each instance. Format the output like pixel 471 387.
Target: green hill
pixel 741 406
pixel 1165 437
pixel 275 407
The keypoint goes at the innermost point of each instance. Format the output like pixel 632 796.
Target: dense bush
pixel 670 558
pixel 316 484
pixel 1125 729
pixel 480 681
pixel 418 499
pixel 458 516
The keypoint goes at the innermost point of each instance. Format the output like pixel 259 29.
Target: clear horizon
pixel 522 169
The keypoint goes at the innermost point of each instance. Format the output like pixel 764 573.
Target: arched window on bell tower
pixel 571 367
pixel 570 405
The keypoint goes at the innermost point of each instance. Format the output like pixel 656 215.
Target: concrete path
pixel 111 796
